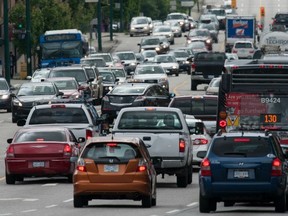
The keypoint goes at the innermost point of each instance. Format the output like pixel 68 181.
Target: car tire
pixel 70 178
pixel 228 204
pixel 9 110
pixel 182 180
pixel 19 178
pixel 147 201
pixel 153 201
pixel 131 35
pixel 78 201
pixel 193 85
pixel 10 179
pixel 177 74
pixel 204 204
pixel 14 119
pixel 190 174
pixel 280 203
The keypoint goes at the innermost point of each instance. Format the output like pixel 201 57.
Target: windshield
pixel 71 49
pixel 66 84
pixel 107 77
pixel 163 58
pixel 92 61
pixel 152 41
pixel 175 17
pixel 106 57
pixel 162 29
pixel 119 72
pixel 126 56
pixel 29 90
pixel 43 136
pixel 181 54
pixel 40 74
pixel 3 85
pixel 149 70
pixel 218 12
pixel 128 90
pixel 79 75
pixel 197 45
pixel 149 54
pixel 199 33
pixel 139 21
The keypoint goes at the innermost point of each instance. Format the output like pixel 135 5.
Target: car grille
pixel 122 99
pixel 139 28
pixel 151 81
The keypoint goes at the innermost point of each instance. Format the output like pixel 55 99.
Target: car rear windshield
pixel 101 152
pixel 196 106
pixel 58 115
pixel 243 45
pixel 156 120
pixel 41 136
pixel 242 147
pixel 78 74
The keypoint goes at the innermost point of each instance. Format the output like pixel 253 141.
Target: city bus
pixel 253 95
pixel 62 47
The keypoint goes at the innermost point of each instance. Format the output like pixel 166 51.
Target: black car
pixel 158 43
pixel 182 59
pixel 134 95
pixel 29 94
pixel 5 95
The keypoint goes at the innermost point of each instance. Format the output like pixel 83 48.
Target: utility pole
pixel 99 26
pixel 28 37
pixel 6 42
pixel 121 15
pixel 111 19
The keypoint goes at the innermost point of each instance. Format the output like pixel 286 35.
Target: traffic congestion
pixel 183 116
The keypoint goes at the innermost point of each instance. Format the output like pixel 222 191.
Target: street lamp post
pixel 99 17
pixel 28 37
pixel 6 41
pixel 111 19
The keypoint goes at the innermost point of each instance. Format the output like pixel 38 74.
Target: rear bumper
pixel 241 191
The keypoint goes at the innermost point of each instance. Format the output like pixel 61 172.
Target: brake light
pixel 58 106
pixel 200 141
pixel 181 145
pixel 88 134
pixel 111 144
pixel 67 150
pixel 142 166
pixel 193 66
pixel 205 167
pixel 241 140
pixel 276 167
pixel 10 151
pixel 81 166
pixel 222 123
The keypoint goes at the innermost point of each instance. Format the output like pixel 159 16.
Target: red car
pixel 41 152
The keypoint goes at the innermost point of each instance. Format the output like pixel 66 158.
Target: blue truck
pixel 239 28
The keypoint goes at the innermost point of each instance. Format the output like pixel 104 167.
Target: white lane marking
pixel 30 210
pixel 51 206
pixel 30 200
pixel 173 211
pixel 69 200
pixel 192 204
pixel 5 214
pixel 10 199
pixel 49 184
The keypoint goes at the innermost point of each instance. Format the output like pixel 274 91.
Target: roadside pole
pixel 6 42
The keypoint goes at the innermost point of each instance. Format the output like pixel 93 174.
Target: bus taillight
pixel 222 123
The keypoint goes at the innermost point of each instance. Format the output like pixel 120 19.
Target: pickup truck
pixel 80 118
pixel 165 134
pixel 206 66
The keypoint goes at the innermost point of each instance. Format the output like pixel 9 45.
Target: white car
pixel 39 75
pixel 164 30
pixel 199 136
pixel 243 49
pixel 106 56
pixel 213 87
pixel 168 62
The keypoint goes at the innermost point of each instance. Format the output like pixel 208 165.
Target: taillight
pixel 10 151
pixel 276 167
pixel 182 145
pixel 81 166
pixel 67 150
pixel 200 141
pixel 88 134
pixel 142 166
pixel 205 169
pixel 251 51
pixel 193 66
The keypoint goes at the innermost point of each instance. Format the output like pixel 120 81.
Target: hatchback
pixel 114 168
pixel 41 152
pixel 243 167
pixel 244 49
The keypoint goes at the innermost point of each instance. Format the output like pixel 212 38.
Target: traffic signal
pixel 262 11
pixel 20 26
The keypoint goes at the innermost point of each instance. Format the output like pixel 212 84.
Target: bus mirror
pixel 226 82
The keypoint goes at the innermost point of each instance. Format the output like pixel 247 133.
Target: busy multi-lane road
pixel 53 196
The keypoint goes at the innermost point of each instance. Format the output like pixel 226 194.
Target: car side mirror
pixel 28 78
pixel 12 88
pixel 139 44
pixel 90 80
pixel 13 95
pixel 172 95
pixel 60 94
pixel 81 139
pixel 201 154
pixel 9 141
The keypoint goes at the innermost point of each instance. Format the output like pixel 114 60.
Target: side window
pixel 90 73
pixel 151 92
pixel 197 107
pixel 160 91
pixel 210 107
pixel 185 105
pixel 93 113
pixel 278 148
pixel 72 138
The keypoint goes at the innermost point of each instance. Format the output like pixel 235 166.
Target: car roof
pixel 42 128
pixel 59 78
pixel 37 83
pixel 68 67
pixel 68 105
pixel 242 134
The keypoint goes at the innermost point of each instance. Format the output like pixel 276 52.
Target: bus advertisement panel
pixel 62 47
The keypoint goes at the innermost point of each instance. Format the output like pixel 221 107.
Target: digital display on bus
pixel 60 37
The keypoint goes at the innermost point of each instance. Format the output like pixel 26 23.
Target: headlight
pixel 208 41
pixel 133 64
pixel 162 80
pixel 110 88
pixel 145 27
pixel 174 67
pixel 164 46
pixel 170 35
pixel 142 49
pixel 157 48
pixel 17 103
pixel 186 62
pixel 181 23
pixel 5 96
pixel 188 41
pixel 132 28
pixel 176 30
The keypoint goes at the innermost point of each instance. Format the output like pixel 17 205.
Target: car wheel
pixel 131 35
pixel 190 174
pixel 280 203
pixel 78 201
pixel 9 110
pixel 14 119
pixel 147 201
pixel 19 178
pixel 182 181
pixel 70 178
pixel 193 85
pixel 10 179
pixel 177 74
pixel 204 204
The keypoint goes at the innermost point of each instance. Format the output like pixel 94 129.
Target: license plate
pixel 111 168
pixel 38 164
pixel 241 174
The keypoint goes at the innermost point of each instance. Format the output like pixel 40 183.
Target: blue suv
pixel 243 167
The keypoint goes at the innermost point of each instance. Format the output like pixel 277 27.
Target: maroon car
pixel 43 151
pixel 200 35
